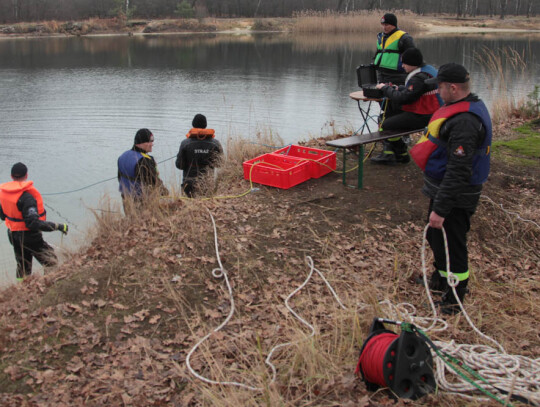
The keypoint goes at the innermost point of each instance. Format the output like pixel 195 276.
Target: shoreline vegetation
pixel 304 22
pixel 115 322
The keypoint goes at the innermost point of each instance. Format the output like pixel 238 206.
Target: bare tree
pixel 504 6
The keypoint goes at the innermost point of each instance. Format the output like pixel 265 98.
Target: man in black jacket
pixel 456 167
pixel 407 107
pixel 198 152
pixel 391 43
pixel 21 207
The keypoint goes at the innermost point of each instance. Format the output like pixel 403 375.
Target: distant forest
pixel 12 11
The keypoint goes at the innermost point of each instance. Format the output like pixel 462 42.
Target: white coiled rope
pixel 513 374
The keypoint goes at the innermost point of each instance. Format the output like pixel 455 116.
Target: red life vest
pixel 429 102
pixel 201 134
pixel 10 193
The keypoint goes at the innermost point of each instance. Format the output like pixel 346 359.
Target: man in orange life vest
pixel 198 152
pixel 137 169
pixel 455 157
pixel 21 207
pixel 391 43
pixel 407 107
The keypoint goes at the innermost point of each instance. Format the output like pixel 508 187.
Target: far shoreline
pixel 426 25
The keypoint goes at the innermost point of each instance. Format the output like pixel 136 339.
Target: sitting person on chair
pixel 407 107
pixel 198 152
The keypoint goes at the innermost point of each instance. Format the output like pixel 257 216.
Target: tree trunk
pixel 504 5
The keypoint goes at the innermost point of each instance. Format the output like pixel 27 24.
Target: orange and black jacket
pixel 21 207
pixel 199 151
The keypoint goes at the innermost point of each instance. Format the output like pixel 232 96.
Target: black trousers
pixel 456 226
pixel 26 246
pixel 189 188
pixel 400 120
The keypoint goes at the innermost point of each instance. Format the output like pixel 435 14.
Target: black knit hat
pixel 389 18
pixel 19 170
pixel 142 136
pixel 413 57
pixel 451 73
pixel 199 121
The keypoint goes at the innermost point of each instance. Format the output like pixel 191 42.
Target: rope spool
pixel 402 362
pixel 371 361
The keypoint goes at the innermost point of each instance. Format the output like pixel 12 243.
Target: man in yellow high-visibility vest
pixel 391 43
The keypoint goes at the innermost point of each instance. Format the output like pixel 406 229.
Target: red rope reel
pixel 401 363
pixel 371 361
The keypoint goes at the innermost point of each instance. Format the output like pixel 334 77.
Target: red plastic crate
pixel 277 171
pixel 315 157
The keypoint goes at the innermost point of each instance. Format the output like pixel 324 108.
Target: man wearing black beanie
pixel 408 107
pixel 137 169
pixel 199 152
pixel 391 43
pixel 21 207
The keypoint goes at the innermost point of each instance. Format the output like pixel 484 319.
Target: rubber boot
pixel 436 283
pixel 449 304
pixel 387 156
pixel 400 150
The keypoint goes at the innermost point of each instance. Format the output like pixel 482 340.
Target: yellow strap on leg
pixel 460 276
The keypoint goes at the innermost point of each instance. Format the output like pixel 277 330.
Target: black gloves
pixel 62 227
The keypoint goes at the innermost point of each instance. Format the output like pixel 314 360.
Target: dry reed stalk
pixel 502 65
pixel 361 21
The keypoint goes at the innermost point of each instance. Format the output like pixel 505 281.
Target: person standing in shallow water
pixel 21 208
pixel 199 152
pixel 137 170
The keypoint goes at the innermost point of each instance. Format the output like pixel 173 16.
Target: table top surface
pixel 359 95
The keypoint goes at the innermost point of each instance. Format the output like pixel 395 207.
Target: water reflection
pixel 71 106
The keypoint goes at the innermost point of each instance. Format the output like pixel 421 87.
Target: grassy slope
pixel 113 325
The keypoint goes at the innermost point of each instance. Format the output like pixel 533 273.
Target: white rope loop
pixel 222 273
pixel 514 374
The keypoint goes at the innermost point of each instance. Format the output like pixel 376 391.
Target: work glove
pixel 62 227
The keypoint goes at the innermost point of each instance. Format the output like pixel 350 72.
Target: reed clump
pixel 505 65
pixel 353 22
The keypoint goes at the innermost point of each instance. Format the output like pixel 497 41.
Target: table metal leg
pixel 344 175
pixel 365 116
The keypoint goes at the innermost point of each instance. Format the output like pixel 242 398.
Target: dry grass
pixel 504 65
pixel 356 22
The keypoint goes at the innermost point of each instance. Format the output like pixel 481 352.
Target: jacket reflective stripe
pixel 460 276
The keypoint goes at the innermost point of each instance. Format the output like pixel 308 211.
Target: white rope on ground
pixel 221 272
pixel 514 374
pixel 452 282
pixel 517 215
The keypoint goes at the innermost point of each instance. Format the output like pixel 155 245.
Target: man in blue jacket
pixel 137 169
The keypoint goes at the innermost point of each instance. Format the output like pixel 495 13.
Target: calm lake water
pixel 71 106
